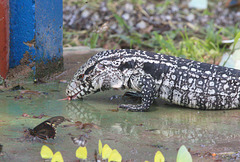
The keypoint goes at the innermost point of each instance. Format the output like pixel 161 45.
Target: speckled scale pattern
pixel 177 80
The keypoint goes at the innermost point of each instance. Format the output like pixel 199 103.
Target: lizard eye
pixel 80 77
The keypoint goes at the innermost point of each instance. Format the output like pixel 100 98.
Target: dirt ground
pixel 73 58
pixel 165 127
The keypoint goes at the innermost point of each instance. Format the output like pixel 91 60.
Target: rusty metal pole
pixel 4 38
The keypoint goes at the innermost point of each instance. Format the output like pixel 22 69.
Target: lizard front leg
pixel 148 94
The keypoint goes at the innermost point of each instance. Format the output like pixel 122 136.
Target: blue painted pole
pixel 36 28
pixel 22 29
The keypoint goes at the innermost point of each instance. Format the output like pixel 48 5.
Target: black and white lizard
pixel 177 80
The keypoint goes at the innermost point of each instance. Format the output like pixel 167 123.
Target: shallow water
pixel 136 135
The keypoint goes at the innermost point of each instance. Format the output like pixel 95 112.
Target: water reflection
pixel 83 112
pixel 164 123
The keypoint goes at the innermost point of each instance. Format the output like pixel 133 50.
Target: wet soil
pixel 136 136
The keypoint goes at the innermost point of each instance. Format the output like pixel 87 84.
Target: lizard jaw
pixel 73 97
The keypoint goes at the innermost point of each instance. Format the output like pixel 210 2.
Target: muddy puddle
pixel 136 136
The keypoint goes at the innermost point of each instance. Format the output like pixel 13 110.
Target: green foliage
pixel 139 2
pixel 230 31
pixel 122 22
pixel 93 40
pixel 201 44
pixel 207 12
pixel 236 39
pixel 212 36
pixel 191 48
pixel 163 6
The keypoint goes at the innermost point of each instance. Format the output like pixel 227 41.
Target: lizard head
pixel 97 74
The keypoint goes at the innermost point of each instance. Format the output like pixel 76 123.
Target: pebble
pixel 150 8
pixel 126 16
pixel 120 30
pixel 103 7
pixel 132 22
pixel 113 26
pixel 95 17
pixel 128 7
pixel 85 18
pixel 168 17
pixel 174 8
pixel 238 14
pixel 85 14
pixel 141 25
pixel 190 17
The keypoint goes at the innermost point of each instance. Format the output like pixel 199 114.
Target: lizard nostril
pixel 68 91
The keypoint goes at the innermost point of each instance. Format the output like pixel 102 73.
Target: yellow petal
pixel 159 157
pixel 106 151
pixel 46 152
pixel 57 157
pixel 100 147
pixel 146 161
pixel 81 153
pixel 115 156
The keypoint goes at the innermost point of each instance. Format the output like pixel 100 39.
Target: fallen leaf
pixel 18 97
pixel 25 115
pixel 31 92
pixel 90 125
pixel 62 81
pixel 15 88
pixel 81 125
pixel 40 116
pixel 63 99
pixel 113 110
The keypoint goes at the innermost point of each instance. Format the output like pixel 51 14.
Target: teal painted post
pixel 36 28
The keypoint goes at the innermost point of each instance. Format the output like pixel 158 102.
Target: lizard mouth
pixel 74 97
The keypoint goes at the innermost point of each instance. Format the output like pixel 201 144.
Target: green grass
pixel 201 44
